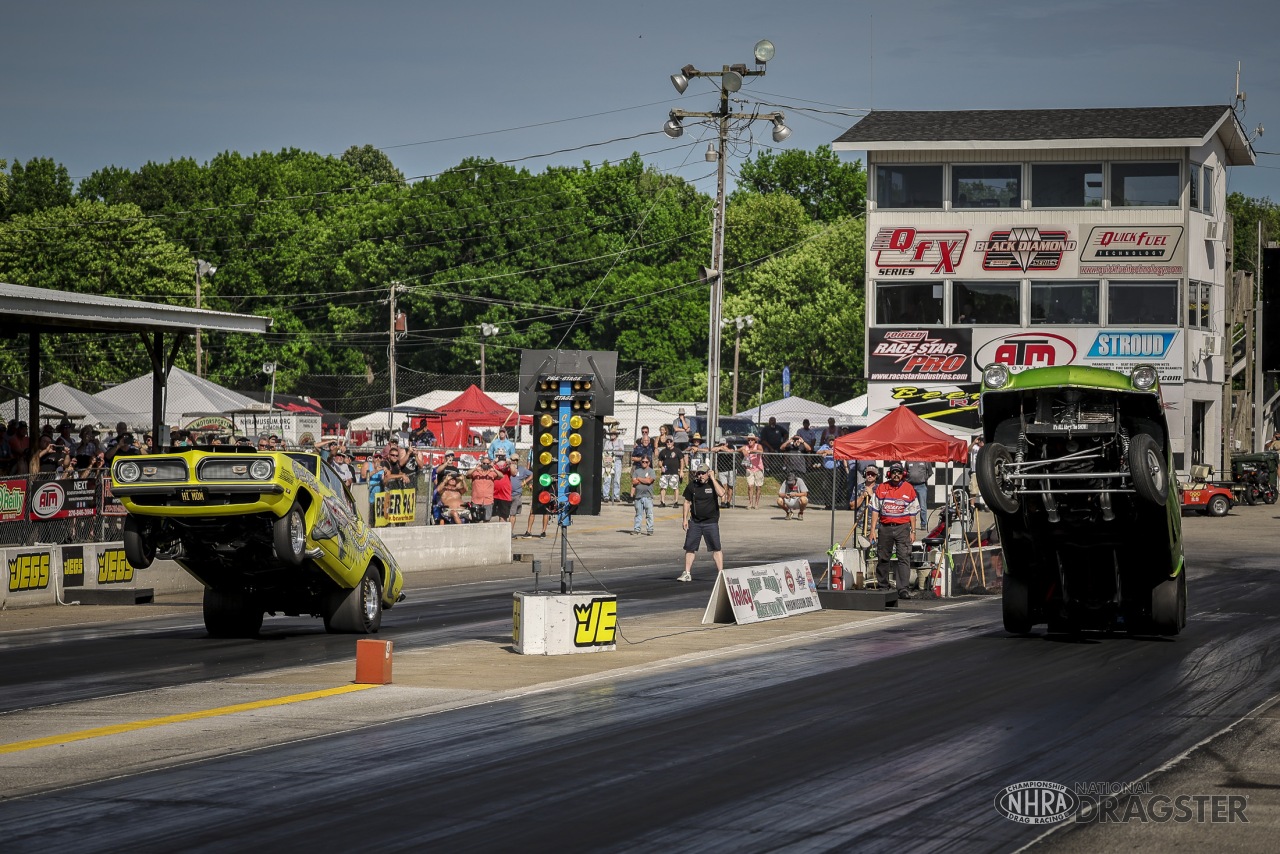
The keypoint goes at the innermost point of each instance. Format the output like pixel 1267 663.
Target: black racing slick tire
pixel 290 536
pixel 999 494
pixel 1169 605
pixel 1147 468
pixel 139 543
pixel 1218 505
pixel 231 615
pixel 358 610
pixel 1015 601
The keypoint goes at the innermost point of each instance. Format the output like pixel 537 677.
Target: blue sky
pixel 92 84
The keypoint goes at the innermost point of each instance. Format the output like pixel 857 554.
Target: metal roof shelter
pixel 37 311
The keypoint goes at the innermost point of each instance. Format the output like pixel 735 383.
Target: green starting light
pixel 544 479
pixel 575 479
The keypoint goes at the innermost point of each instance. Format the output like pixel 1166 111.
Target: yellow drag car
pixel 265 532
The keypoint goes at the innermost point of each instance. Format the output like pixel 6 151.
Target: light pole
pixel 203 268
pixel 730 80
pixel 269 368
pixel 487 330
pixel 741 322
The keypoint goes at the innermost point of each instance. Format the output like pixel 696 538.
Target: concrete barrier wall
pixel 34 575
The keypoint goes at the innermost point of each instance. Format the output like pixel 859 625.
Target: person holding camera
pixel 794 453
pixel 793 496
pixel 702 499
pixel 482 479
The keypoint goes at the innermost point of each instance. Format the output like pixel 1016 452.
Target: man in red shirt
pixel 502 488
pixel 894 510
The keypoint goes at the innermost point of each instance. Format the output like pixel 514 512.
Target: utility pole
pixel 740 323
pixel 730 80
pixel 391 350
pixel 203 268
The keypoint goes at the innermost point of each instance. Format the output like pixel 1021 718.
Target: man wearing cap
pixel 894 510
pixel 614 450
pixel 793 495
pixel 680 430
pixel 702 499
pixel 342 467
pixel 1274 444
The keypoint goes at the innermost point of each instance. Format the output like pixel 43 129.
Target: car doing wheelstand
pixel 1076 468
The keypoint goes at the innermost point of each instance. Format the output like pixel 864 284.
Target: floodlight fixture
pixel 764 51
pixel 780 129
pixel 673 128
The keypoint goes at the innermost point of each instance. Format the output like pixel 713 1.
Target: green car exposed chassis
pixel 1077 470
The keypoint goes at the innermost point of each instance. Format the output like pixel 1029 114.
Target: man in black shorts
pixel 702 499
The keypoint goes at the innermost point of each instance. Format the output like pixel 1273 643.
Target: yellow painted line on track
pixel 132 726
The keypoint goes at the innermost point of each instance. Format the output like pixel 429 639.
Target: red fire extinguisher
pixel 837 575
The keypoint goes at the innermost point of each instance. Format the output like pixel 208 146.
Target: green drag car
pixel 265 532
pixel 1077 469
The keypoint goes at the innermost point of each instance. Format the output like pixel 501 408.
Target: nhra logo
pixel 900 250
pixel 1028 350
pixel 917 352
pixel 1037 802
pixel 1131 345
pixel 1024 249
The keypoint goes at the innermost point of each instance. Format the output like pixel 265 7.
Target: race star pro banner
pixel 920 355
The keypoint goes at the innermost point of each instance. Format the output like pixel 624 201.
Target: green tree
pixel 1246 212
pixel 372 165
pixel 827 187
pixel 91 248
pixel 810 313
pixel 39 185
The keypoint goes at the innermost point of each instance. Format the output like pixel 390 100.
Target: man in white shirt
pixel 793 496
pixel 614 450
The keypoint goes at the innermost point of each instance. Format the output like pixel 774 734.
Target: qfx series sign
pixel 919 355
pixel 904 251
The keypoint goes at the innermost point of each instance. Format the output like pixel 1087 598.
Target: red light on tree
pixel 544 497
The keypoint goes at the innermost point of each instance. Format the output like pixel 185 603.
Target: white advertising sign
pixel 1043 250
pixel 752 594
pixel 1116 348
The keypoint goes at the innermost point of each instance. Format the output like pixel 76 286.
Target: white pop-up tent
pixel 793 411
pixel 186 393
pixel 61 399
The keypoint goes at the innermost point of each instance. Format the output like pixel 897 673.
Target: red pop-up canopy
pixel 901 435
pixel 480 409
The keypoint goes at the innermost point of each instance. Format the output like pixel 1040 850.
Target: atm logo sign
pixel 597 623
pixel 113 568
pixel 29 571
pixel 1028 350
